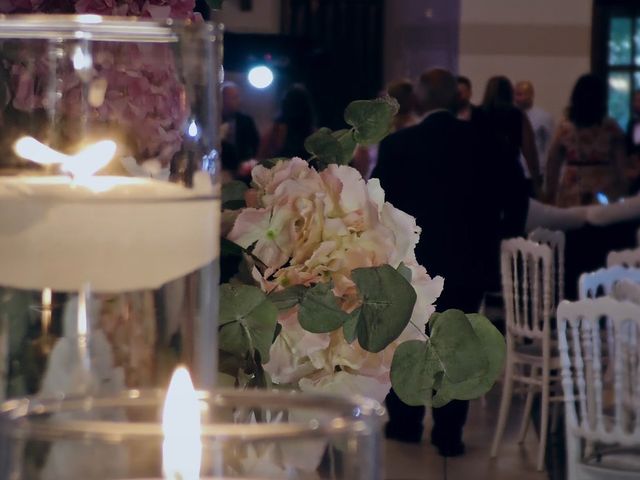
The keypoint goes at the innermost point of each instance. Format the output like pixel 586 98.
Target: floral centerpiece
pixel 330 297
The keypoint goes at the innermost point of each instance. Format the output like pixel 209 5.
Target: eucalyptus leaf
pixel 349 328
pixel 319 310
pixel 493 348
pixel 348 145
pixel 387 304
pixel 233 195
pixel 247 321
pixel 229 364
pixel 288 298
pixel 324 146
pixel 462 360
pixel 413 369
pixel 457 347
pixel 405 271
pixel 371 119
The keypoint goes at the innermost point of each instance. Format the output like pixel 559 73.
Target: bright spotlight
pixel 260 77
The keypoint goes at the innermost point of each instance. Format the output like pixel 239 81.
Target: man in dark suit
pixel 240 143
pixel 465 194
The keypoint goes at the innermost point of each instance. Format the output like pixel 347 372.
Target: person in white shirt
pixel 541 121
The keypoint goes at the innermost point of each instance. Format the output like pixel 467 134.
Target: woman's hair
pixel 498 95
pixel 588 104
pixel 297 109
pixel 402 91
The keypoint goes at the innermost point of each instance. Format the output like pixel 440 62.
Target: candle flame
pixel 83 164
pixel 182 447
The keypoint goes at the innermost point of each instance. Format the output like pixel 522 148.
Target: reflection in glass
pixel 619 97
pixel 620 41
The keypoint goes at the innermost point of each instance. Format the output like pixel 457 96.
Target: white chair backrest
pixel 555 239
pixel 601 408
pixel 601 282
pixel 626 290
pixel 527 286
pixel 625 258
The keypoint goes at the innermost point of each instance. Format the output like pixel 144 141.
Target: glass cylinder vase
pixel 243 435
pixel 109 199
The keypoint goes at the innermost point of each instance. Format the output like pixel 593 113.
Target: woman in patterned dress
pixel 587 156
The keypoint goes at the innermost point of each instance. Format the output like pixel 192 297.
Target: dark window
pixel 616 53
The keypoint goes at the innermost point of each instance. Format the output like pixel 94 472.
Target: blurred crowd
pixel 583 158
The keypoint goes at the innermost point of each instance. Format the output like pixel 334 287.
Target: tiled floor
pixel 422 462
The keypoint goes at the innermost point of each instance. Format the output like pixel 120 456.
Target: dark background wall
pixel 420 35
pixel 344 60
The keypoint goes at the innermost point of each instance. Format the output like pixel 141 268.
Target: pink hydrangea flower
pixel 309 227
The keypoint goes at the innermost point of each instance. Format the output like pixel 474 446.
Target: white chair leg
pixel 544 420
pixel 526 415
pixel 505 404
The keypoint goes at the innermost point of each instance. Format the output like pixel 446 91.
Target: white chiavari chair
pixel 528 289
pixel 625 258
pixel 602 412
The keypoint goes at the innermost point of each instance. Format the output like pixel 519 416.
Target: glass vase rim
pixel 100 28
pixel 17 416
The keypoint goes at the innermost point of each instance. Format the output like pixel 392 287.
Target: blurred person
pixel 460 184
pixel 364 158
pixel 513 127
pixel 295 122
pixel 403 92
pixel 633 127
pixel 587 156
pixel 633 143
pixel 240 138
pixel 541 121
pixel 466 110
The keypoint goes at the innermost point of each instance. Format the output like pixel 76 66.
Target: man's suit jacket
pixel 464 190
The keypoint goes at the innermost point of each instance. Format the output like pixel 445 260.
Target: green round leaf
pixel 348 145
pixel 247 321
pixel 289 297
pixel 457 347
pixel 412 372
pixel 387 304
pixel 349 329
pixel 319 310
pixel 493 348
pixel 405 271
pixel 371 119
pixel 324 146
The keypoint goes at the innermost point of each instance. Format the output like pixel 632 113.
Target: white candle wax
pixel 116 233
